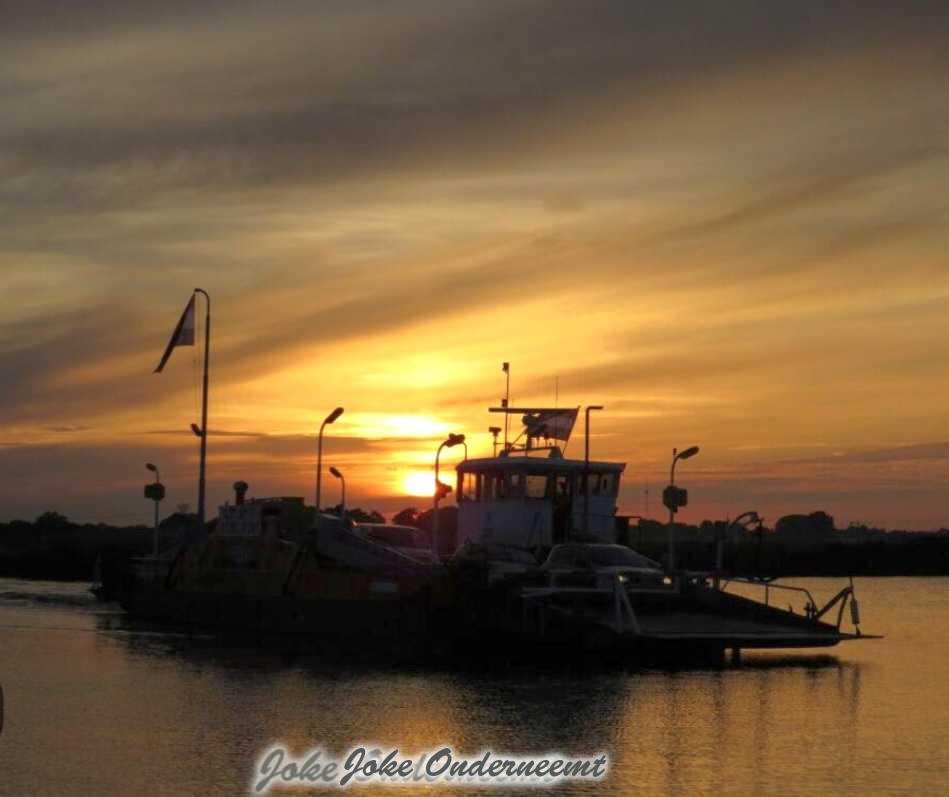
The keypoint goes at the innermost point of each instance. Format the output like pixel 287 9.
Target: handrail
pixel 623 614
pixel 623 606
pixel 842 596
pixel 810 609
pixel 768 585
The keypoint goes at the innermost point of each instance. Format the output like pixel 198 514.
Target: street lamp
pixel 319 455
pixel 339 476
pixel 586 468
pixel 672 499
pixel 449 442
pixel 156 492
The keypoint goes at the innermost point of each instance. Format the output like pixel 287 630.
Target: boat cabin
pixel 250 517
pixel 536 502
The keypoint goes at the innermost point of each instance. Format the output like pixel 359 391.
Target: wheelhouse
pixel 534 502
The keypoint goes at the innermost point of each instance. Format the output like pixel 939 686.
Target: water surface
pixel 96 705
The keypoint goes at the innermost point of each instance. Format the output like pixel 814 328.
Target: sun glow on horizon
pixel 419 483
pixel 380 425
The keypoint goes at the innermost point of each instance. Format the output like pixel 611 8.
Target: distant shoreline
pixel 54 549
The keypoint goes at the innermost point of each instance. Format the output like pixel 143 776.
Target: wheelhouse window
pixel 609 484
pixel 535 485
pixel 494 486
pixel 602 483
pixel 499 486
pixel 562 486
pixel 469 486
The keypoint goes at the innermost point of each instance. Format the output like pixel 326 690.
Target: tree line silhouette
pixel 53 547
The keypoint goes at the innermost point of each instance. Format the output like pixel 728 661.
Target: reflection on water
pixel 96 705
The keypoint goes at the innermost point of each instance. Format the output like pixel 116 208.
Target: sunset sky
pixel 726 222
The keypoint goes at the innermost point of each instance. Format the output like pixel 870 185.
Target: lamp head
pixel 151 467
pixel 334 415
pixel 336 473
pixel 454 440
pixel 689 452
pixel 595 407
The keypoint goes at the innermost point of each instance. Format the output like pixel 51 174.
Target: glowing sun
pixel 419 483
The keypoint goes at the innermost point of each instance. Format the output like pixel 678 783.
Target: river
pixel 97 705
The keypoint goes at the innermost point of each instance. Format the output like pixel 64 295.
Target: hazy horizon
pixel 728 225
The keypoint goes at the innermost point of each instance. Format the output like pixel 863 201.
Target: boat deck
pixel 734 631
pixel 694 616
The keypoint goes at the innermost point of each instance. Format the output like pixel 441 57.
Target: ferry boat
pixel 540 559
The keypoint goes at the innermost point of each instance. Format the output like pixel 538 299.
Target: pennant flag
pixel 183 334
pixel 550 424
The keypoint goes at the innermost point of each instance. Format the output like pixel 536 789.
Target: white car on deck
pixel 585 564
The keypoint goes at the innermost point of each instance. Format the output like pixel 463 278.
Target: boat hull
pixel 444 613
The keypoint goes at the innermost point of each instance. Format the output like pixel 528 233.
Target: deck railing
pixel 624 617
pixel 811 610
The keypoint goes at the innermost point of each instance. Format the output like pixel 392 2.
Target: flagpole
pixel 204 408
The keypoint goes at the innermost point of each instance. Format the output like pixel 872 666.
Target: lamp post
pixel 673 504
pixel 319 455
pixel 586 467
pixel 156 492
pixel 339 476
pixel 451 440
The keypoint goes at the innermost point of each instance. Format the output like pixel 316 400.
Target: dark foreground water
pixel 96 706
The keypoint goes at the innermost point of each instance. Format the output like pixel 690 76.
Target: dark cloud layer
pixel 36 353
pixel 465 74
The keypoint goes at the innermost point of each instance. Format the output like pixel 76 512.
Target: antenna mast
pixel 506 367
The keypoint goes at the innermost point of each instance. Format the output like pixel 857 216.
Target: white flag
pixel 183 334
pixel 550 424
